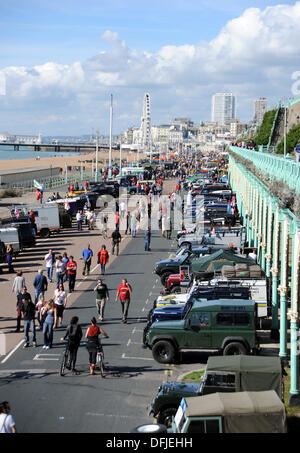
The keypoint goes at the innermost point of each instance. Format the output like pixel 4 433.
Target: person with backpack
pixel 73 335
pixel 93 342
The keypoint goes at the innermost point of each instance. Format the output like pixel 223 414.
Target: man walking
pixel 79 220
pixel 50 261
pixel 40 284
pixel 20 300
pixel 103 258
pixel 124 291
pixel 116 239
pixel 28 310
pixel 147 239
pixel 71 269
pixel 102 296
pixel 87 254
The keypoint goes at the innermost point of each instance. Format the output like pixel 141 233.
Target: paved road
pixel 42 401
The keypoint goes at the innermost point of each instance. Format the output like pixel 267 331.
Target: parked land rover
pixel 227 326
pixel 222 374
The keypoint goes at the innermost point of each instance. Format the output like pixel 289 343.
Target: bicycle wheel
pixel 64 362
pixel 102 370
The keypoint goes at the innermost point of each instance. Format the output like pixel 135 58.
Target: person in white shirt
pixel 253 256
pixel 90 219
pixel 7 423
pixel 50 261
pixel 60 301
pixel 122 209
pixel 79 220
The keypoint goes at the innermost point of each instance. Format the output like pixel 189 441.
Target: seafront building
pixel 223 107
pixel 6 137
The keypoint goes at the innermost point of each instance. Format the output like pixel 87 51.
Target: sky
pixel 61 60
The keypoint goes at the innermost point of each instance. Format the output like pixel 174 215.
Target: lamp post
pixel 110 136
pixel 96 172
pixel 284 136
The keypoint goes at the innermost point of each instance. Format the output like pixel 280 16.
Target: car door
pixel 198 333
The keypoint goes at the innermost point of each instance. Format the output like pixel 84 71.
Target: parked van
pixel 46 218
pixel 11 235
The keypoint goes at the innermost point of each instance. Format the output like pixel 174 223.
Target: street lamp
pixel 96 172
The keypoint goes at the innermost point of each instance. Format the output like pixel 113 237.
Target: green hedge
pixel 292 138
pixel 265 129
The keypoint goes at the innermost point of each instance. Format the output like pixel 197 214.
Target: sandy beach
pixel 61 161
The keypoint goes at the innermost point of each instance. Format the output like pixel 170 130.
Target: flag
pixel 229 208
pixel 37 185
pixel 37 194
pixel 17 212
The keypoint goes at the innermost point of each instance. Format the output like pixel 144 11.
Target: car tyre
pixel 234 348
pixel 165 416
pixel 165 277
pixel 163 351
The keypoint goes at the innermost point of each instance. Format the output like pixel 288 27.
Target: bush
pixel 265 129
pixel 292 138
pixel 10 193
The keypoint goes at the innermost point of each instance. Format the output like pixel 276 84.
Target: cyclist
pixel 94 343
pixel 73 335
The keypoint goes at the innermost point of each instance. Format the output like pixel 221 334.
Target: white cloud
pixel 253 55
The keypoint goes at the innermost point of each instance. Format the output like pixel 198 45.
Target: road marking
pixel 137 330
pixel 47 357
pixel 150 294
pixel 11 352
pixel 94 414
pixel 128 342
pixel 84 278
pixel 134 358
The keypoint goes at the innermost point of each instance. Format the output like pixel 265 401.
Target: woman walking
pixel 49 325
pixel 93 342
pixel 60 301
pixel 9 258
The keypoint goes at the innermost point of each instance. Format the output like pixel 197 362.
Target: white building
pixel 223 107
pixel 6 137
pixel 160 134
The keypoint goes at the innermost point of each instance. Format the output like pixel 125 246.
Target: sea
pixel 8 153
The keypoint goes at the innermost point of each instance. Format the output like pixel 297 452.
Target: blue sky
pixel 182 33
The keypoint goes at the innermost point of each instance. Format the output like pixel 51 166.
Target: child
pixel 39 306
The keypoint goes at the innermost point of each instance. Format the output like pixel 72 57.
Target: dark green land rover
pixel 224 325
pixel 234 373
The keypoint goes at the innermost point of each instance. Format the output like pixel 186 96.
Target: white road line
pixel 11 352
pixel 150 294
pixel 83 279
pixel 46 357
pixel 128 342
pixel 93 414
pixel 134 358
pixel 137 330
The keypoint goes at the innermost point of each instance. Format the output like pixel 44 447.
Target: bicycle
pixel 100 362
pixel 65 360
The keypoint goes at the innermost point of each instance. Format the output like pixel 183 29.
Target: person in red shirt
pixel 124 291
pixel 71 270
pixel 103 257
pixel 117 220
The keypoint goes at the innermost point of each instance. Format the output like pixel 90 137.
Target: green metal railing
pixel 279 168
pixel 52 183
